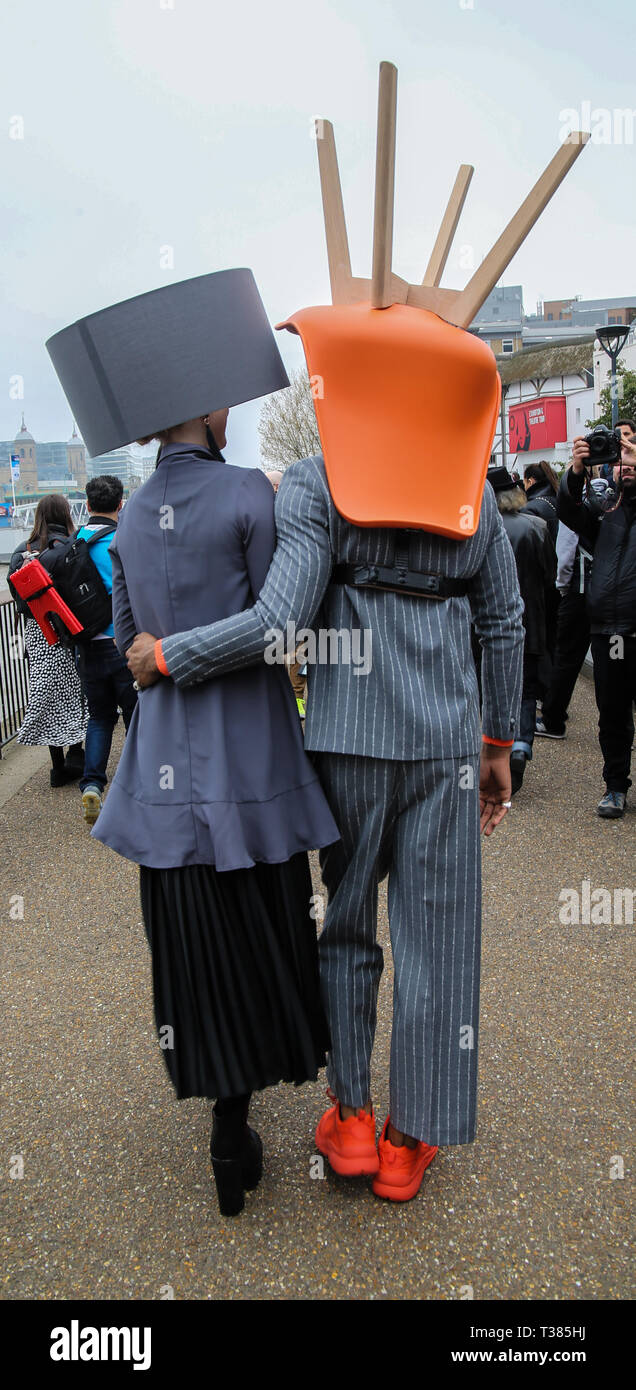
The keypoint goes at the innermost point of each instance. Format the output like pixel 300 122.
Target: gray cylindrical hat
pixel 164 357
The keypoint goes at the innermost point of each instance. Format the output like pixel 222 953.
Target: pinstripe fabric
pixel 420 695
pixel 418 823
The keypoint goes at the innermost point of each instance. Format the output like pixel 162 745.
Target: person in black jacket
pixel 610 537
pixel 535 558
pixel 541 485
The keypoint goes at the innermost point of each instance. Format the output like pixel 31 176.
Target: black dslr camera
pixel 605 445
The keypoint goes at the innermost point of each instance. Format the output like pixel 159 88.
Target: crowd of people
pixel 75 693
pixel 217 801
pixel 575 549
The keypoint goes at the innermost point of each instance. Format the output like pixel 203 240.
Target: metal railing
pixel 23 515
pixel 14 672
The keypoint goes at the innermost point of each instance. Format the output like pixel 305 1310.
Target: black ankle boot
pixel 74 762
pixel 236 1152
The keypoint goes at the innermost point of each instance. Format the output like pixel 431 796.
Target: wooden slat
pixel 333 212
pixel 384 188
pixel 439 255
pixel 492 267
pixel 431 297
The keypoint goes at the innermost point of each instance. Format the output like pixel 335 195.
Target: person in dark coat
pixel 535 558
pixel 57 713
pixel 216 800
pixel 541 485
pixel 610 537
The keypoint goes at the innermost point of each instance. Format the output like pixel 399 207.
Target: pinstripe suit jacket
pixel 419 699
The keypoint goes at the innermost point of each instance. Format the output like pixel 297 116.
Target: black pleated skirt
pixel 235 976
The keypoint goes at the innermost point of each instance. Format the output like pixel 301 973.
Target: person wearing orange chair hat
pixel 392 536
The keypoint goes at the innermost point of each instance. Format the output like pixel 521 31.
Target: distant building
pixel 76 454
pixel 591 313
pixel 500 319
pixel 24 447
pixel 127 463
pixel 52 460
pixel 43 464
pixel 503 324
pixel 548 395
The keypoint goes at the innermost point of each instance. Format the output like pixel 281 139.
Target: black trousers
pixel 615 686
pixel 572 642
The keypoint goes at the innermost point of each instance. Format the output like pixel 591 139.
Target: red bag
pixel 35 586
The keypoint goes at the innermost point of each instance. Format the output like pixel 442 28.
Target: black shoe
pixel 73 771
pixel 541 731
pixel 236 1152
pixel 237 1175
pixel 517 768
pixel 61 776
pixel 74 763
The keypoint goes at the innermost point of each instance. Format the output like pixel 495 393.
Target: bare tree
pixel 287 425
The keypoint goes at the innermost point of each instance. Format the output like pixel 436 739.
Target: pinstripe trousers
pixel 418 822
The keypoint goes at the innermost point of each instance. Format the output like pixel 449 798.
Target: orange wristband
pixel 498 742
pixel 160 661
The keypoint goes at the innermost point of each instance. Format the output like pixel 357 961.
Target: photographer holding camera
pixel 607 529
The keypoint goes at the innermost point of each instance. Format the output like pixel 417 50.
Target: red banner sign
pixel 537 424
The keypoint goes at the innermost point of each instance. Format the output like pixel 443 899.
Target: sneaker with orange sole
pixel 401 1169
pixel 348 1145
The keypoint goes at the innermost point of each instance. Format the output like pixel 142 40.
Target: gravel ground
pixel 116 1199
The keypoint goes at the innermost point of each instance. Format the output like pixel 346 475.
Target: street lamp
pixel 612 340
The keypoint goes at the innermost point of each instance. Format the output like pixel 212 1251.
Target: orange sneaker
pixel 401 1169
pixel 348 1145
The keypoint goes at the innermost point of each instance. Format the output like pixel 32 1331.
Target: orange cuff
pixel 160 659
pixel 498 742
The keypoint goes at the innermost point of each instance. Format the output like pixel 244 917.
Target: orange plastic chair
pixel 406 406
pixel 406 398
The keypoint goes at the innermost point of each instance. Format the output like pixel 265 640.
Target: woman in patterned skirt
pixel 57 713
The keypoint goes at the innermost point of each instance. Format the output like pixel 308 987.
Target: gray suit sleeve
pixel 123 621
pixel 293 590
pixel 497 615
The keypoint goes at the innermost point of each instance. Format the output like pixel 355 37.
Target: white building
pixel 131 461
pixel 548 397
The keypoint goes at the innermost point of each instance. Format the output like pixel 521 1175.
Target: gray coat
pixel 216 774
pixel 419 699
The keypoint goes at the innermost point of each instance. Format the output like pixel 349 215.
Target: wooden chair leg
pixel 470 299
pixel 381 294
pixel 439 254
pixel 333 212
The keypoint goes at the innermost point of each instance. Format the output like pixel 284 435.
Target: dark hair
pixel 631 423
pixel 163 436
pixel 52 510
pixel 104 494
pixel 542 473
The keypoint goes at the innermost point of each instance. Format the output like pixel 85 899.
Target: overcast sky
pixel 149 125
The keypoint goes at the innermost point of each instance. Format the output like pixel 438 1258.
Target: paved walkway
pixel 116 1199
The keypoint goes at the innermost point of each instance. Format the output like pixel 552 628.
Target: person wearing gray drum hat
pixel 214 796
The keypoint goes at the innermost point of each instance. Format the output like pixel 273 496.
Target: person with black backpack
pixel 57 713
pixel 107 682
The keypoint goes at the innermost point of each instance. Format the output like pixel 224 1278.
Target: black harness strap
pixel 399 576
pixel 401 580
